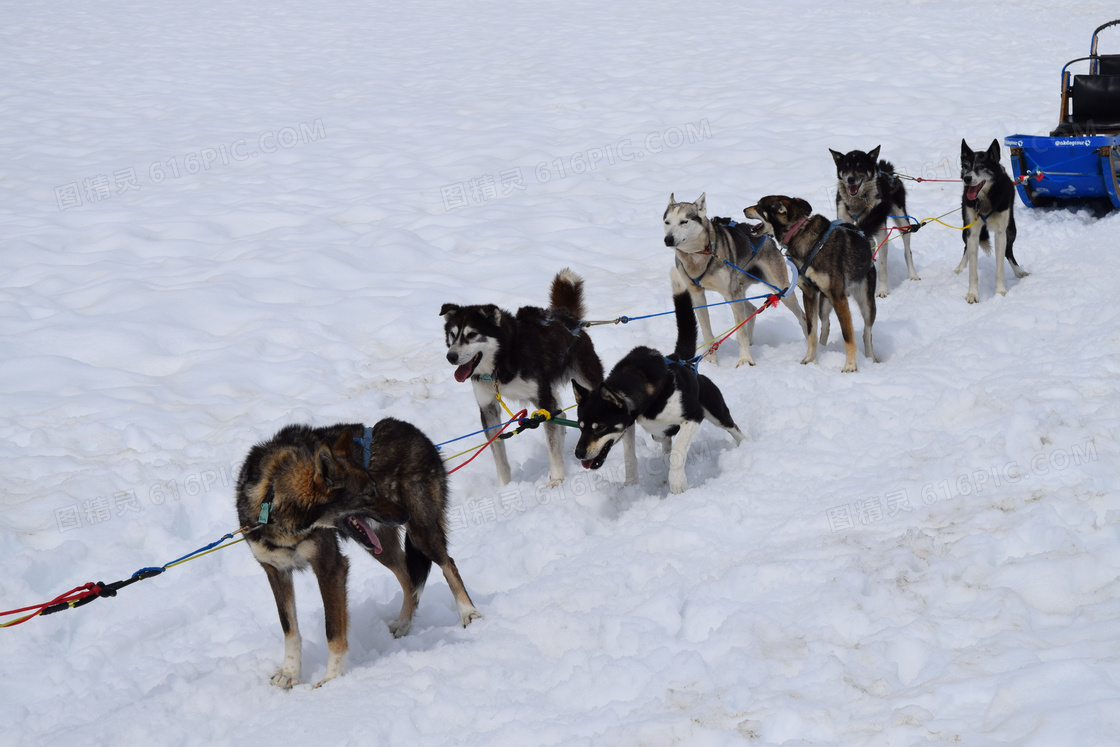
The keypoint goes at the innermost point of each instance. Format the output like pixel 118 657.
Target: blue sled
pixel 1081 157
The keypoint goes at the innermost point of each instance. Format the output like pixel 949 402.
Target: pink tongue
pixel 463 372
pixel 853 188
pixel 369 535
pixel 586 463
pixel 973 191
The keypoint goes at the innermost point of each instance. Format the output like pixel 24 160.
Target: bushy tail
pixel 567 293
pixel 686 326
pixel 886 167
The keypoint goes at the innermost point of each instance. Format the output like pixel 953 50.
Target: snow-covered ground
pixel 221 219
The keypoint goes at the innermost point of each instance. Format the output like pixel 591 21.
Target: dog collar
pixel 796 227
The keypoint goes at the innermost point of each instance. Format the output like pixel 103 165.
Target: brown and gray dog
pixel 305 486
pixel 705 252
pixel 833 260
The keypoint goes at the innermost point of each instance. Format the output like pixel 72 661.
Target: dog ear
pixel 802 206
pixel 874 155
pixel 579 391
pixel 610 396
pixel 702 203
pixel 326 468
pixel 492 313
pixel 993 151
pixel 836 156
pixel 672 200
pixel 448 308
pixel 966 152
pixel 342 445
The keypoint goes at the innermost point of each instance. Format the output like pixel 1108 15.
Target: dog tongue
pixel 369 534
pixel 586 463
pixel 463 372
pixel 853 188
pixel 971 192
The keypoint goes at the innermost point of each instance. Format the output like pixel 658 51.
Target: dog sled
pixel 1081 157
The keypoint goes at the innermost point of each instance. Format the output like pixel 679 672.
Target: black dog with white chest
pixel 664 395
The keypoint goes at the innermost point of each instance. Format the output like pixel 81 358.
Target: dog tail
pixel 418 565
pixel 686 327
pixel 567 293
pixel 886 167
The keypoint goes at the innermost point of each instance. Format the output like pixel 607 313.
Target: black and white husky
pixel 666 396
pixel 705 251
pixel 525 357
pixel 868 194
pixel 987 206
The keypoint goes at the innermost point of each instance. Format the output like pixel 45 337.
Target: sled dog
pixel 987 206
pixel 705 250
pixel 305 487
pixel 867 195
pixel 834 261
pixel 525 356
pixel 666 396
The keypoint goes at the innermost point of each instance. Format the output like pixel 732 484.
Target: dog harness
pixel 824 237
pixel 366 441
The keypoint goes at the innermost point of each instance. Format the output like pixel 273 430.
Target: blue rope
pixel 145 572
pixel 475 433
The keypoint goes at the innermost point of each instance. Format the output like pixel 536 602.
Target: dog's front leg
pixel 282 588
pixel 330 568
pixel 971 251
pixel 699 304
pixel 741 311
pixel 810 298
pixel 554 435
pixel 491 418
pixel 630 456
pixel 678 481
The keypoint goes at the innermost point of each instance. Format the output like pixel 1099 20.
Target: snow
pixel 276 199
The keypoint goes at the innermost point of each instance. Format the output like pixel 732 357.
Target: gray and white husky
pixel 705 250
pixel 526 357
pixel 988 207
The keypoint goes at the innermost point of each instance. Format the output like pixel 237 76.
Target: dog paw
pixel 400 628
pixel 849 368
pixel 285 679
pixel 808 359
pixel 914 276
pixel 1020 272
pixel 555 482
pixel 324 681
pixel 743 360
pixel 972 298
pixel 1001 291
pixel 678 482
pixel 467 614
pixel 882 294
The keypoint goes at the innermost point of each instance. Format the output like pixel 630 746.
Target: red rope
pixel 74 595
pixel 771 300
pixel 482 448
